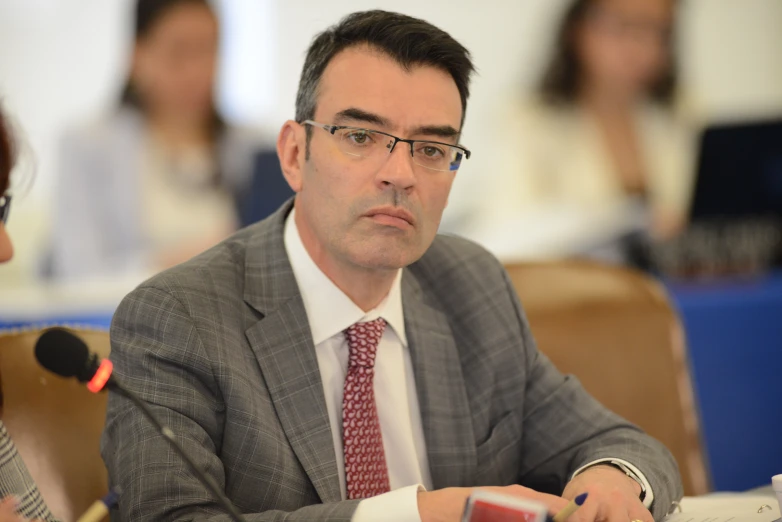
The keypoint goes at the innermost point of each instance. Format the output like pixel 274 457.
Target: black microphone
pixel 63 353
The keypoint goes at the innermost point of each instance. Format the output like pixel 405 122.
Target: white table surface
pixel 37 301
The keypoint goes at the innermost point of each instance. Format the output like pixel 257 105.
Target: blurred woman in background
pixel 602 136
pixel 155 182
pixel 20 497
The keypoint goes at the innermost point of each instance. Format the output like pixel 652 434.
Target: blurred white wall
pixel 59 61
pixel 63 61
pixel 732 56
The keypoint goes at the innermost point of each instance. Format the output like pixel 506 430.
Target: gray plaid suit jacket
pixel 220 348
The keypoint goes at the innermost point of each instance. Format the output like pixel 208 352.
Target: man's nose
pixel 399 169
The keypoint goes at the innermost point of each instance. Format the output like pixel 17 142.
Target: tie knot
pixel 363 339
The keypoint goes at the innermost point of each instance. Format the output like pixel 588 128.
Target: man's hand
pixel 447 505
pixel 613 496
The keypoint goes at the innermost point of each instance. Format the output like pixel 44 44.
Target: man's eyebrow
pixel 442 131
pixel 355 114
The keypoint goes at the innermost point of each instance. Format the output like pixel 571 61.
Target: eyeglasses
pixel 5 208
pixel 376 145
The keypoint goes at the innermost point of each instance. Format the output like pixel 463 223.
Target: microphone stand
pixel 168 434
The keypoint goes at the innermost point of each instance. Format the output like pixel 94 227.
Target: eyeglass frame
pixel 332 129
pixel 5 208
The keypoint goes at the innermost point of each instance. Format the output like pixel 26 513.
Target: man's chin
pixel 386 257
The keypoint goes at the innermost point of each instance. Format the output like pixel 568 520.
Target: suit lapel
pixel 282 343
pixel 442 395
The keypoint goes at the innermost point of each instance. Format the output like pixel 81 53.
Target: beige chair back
pixel 616 330
pixel 55 423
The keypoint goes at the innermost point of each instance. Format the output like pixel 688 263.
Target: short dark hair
pixel 7 154
pixel 407 40
pixel 562 78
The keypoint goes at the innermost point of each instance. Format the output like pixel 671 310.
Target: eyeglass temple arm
pixel 330 128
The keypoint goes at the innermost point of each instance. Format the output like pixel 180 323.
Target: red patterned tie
pixel 365 461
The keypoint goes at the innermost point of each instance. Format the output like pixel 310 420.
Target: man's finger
pixel 640 513
pixel 616 511
pixel 552 502
pixel 587 512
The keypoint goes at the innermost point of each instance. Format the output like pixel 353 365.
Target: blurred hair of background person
pixel 15 479
pixel 601 143
pixel 156 181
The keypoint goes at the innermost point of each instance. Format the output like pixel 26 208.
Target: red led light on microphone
pixel 101 376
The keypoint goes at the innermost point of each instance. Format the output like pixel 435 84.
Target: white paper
pixel 722 517
pixel 727 508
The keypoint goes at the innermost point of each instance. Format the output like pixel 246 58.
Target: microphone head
pixel 63 353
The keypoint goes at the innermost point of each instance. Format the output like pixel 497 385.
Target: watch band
pixel 630 473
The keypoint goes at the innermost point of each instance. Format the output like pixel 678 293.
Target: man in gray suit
pixel 341 361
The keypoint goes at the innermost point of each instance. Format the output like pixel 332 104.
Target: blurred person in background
pixel 20 497
pixel 156 181
pixel 602 137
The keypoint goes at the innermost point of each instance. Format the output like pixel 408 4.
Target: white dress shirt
pixel 330 312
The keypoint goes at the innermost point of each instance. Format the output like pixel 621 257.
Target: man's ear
pixel 291 145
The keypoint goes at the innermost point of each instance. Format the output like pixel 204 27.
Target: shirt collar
pixel 329 310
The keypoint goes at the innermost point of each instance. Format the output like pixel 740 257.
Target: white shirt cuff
pixel 648 499
pixel 400 505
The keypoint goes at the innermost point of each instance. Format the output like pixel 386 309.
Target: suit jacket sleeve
pixel 566 428
pixel 158 354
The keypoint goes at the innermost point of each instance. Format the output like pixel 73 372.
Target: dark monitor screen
pixel 268 189
pixel 739 172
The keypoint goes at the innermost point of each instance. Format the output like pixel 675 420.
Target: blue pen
pixel 100 508
pixel 568 510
